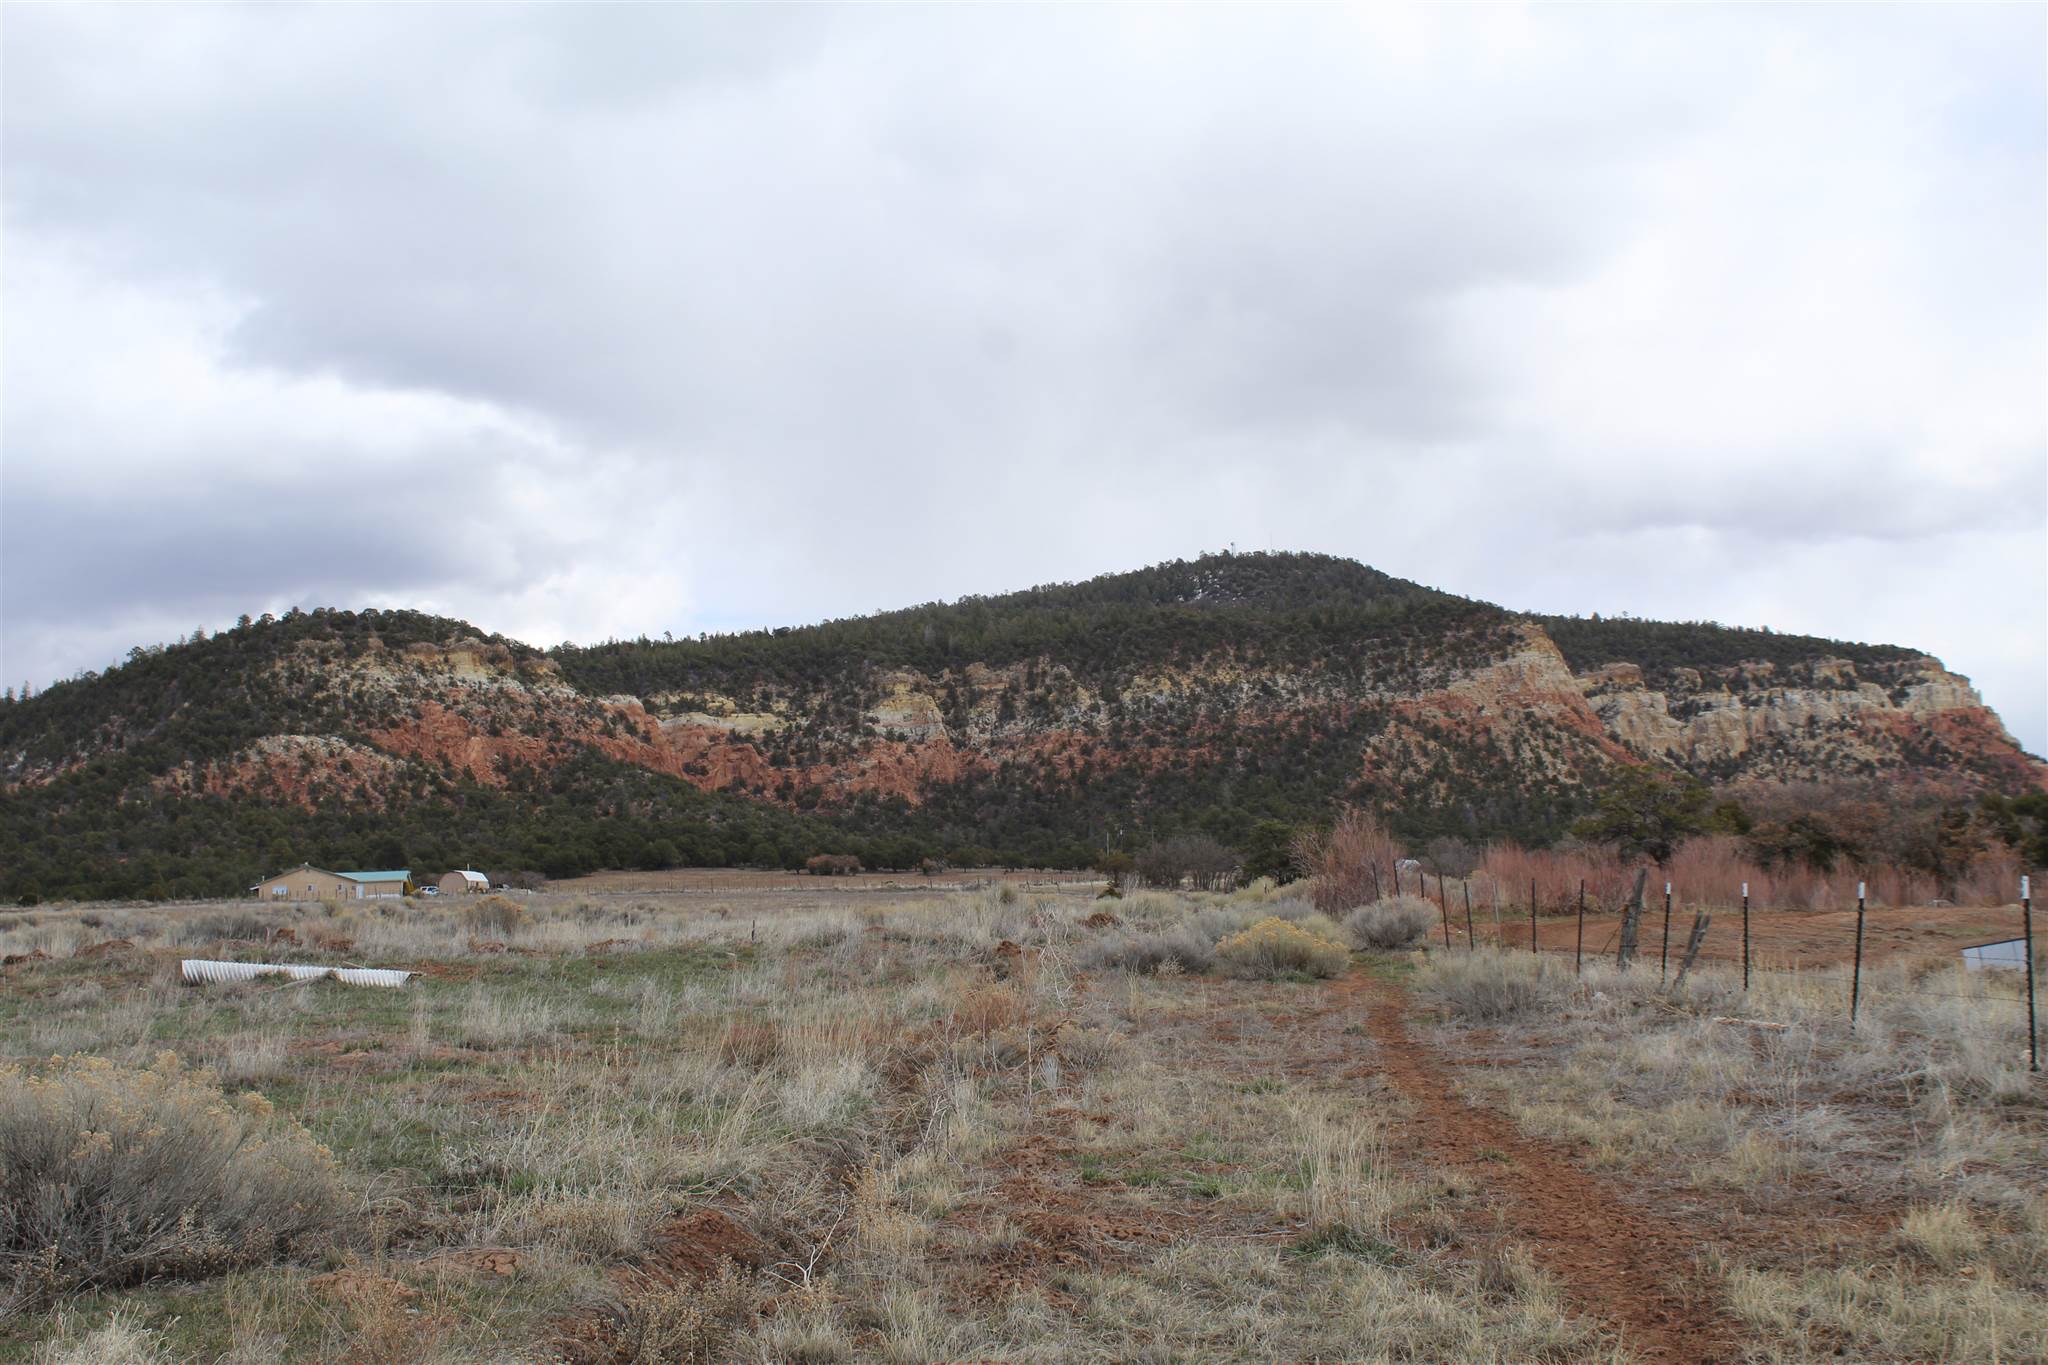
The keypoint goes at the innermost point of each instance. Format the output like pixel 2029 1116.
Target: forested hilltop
pixel 1215 697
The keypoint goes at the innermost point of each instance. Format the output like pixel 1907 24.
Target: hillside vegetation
pixel 1034 728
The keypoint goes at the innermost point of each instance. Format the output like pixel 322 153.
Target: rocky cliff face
pixel 1824 719
pixel 1510 710
pixel 1202 696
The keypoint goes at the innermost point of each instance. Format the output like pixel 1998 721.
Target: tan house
pixel 308 883
pixel 464 883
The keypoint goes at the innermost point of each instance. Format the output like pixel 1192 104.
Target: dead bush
pixel 1350 864
pixel 1395 922
pixel 654 1321
pixel 496 917
pixel 111 1175
pixel 1489 985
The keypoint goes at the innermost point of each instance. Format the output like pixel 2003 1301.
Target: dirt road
pixel 1635 1272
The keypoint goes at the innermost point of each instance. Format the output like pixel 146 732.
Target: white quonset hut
pixel 464 882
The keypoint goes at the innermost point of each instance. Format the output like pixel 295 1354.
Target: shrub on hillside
pixel 832 865
pixel 1395 922
pixel 1490 985
pixel 111 1175
pixel 1273 947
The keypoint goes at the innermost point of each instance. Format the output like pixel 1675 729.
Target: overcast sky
pixel 605 320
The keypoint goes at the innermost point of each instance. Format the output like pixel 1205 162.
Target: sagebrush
pixel 111 1174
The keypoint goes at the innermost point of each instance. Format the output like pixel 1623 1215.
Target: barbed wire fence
pixel 1509 933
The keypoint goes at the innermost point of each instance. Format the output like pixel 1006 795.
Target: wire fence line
pixel 1641 909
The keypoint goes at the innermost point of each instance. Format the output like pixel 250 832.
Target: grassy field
pixel 1004 1123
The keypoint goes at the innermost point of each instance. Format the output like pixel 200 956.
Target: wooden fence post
pixel 1631 918
pixel 1579 953
pixel 1443 902
pixel 1700 920
pixel 1532 914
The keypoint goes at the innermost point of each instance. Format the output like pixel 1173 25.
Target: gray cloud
pixel 718 316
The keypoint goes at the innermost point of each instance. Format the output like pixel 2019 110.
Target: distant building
pixel 464 883
pixel 371 885
pixel 308 883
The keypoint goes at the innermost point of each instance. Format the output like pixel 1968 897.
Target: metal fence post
pixel 1856 980
pixel 1745 936
pixel 1443 902
pixel 1664 955
pixel 1532 914
pixel 2027 917
pixel 1579 954
pixel 1471 938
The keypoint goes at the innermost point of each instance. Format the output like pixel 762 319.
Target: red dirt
pixel 1638 1274
pixel 496 1261
pixel 689 1249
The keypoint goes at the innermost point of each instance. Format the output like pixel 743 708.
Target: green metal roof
pixel 401 875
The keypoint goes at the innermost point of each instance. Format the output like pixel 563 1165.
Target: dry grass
pixel 1492 985
pixel 1927 1103
pixel 984 1124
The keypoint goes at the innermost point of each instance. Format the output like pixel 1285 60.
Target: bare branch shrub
pixel 1349 864
pixel 1196 859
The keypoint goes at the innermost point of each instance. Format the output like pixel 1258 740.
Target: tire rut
pixel 1637 1273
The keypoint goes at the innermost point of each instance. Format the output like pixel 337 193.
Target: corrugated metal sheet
pixel 402 874
pixel 197 970
pixel 2011 955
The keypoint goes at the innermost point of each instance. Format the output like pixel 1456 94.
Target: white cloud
pixel 712 316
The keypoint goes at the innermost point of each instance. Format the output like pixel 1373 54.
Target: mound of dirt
pixel 690 1249
pixel 106 949
pixel 351 1284
pixel 496 1261
pixel 1101 919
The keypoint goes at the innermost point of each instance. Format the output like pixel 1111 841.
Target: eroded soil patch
pixel 1637 1273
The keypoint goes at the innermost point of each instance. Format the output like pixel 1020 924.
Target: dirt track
pixel 1637 1274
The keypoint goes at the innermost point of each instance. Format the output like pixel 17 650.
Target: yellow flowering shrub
pixel 1274 947
pixel 112 1174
